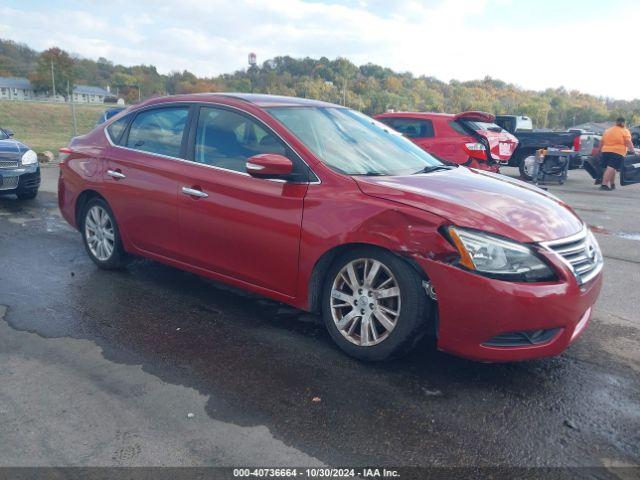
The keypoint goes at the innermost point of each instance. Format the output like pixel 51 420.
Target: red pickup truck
pixel 468 138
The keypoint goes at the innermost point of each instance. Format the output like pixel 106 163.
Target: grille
pixel 8 183
pixel 581 253
pixel 8 163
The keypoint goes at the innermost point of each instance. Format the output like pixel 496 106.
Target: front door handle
pixel 116 174
pixel 194 193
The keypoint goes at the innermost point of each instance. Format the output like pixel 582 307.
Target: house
pixel 14 88
pixel 89 94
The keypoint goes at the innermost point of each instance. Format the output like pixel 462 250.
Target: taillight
pixel 476 150
pixel 63 153
pixel 576 143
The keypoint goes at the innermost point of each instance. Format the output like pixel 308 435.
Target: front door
pixel 234 224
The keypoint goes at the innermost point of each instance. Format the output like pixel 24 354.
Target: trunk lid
pixel 501 143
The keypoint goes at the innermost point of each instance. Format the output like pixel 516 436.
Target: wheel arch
pixel 322 265
pixel 81 201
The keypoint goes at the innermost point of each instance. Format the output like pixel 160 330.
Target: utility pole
pixel 139 93
pixel 344 92
pixel 53 79
pixel 73 110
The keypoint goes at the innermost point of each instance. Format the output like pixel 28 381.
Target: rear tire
pixel 101 236
pixel 361 320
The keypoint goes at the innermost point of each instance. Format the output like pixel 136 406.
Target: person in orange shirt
pixel 613 148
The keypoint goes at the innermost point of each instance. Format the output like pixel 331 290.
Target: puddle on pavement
pixel 629 236
pixel 626 235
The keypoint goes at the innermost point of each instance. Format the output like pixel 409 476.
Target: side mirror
pixel 8 132
pixel 268 165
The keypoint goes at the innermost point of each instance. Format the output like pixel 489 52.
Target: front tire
pixel 101 235
pixel 27 194
pixel 373 304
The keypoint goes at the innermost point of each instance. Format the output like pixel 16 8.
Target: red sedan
pixel 326 209
pixel 468 138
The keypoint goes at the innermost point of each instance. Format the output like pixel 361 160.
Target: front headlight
pixel 29 157
pixel 499 258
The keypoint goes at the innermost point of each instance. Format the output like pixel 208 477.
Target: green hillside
pixel 369 88
pixel 46 126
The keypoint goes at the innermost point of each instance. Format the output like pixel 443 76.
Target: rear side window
pixel 159 131
pixel 116 128
pixel 457 127
pixel 411 127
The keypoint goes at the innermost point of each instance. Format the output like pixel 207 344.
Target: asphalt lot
pixel 105 368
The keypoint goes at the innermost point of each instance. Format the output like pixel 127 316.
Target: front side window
pixel 3 135
pixel 349 142
pixel 159 131
pixel 227 139
pixel 410 127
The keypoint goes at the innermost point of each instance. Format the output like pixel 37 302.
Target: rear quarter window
pixel 116 128
pixel 457 127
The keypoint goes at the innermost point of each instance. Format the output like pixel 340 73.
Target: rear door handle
pixel 116 174
pixel 194 193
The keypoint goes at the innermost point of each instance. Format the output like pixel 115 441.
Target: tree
pixel 54 71
pixel 370 88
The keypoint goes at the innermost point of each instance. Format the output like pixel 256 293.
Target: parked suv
pixel 468 138
pixel 323 208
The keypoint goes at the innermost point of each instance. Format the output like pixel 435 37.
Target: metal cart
pixel 552 165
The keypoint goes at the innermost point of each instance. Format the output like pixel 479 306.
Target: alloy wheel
pixel 99 233
pixel 365 302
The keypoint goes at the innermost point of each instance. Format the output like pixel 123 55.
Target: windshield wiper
pixel 433 168
pixel 371 174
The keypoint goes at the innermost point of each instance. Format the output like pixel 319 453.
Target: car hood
pixel 480 200
pixel 12 149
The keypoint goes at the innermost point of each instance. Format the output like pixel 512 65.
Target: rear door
pixel 630 172
pixel 140 177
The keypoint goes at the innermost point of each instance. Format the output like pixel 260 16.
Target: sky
pixel 587 45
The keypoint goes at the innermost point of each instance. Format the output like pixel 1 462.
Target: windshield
pixel 352 143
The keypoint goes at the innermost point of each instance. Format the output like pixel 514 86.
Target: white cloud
pixel 442 38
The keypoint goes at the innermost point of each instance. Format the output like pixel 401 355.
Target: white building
pixel 14 88
pixel 89 94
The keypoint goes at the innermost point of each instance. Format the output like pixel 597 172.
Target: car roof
pixel 416 115
pixel 260 100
